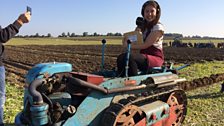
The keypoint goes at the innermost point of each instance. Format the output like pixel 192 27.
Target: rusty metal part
pixel 171 94
pixel 126 116
pixel 161 79
pixel 80 83
pixel 120 115
pixel 178 108
pixel 118 107
pixel 128 88
pixel 175 97
pixel 56 115
pixel 68 112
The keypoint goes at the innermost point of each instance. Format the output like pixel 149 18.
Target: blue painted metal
pixel 107 73
pixel 89 111
pixel 127 59
pixel 63 98
pixel 18 121
pixel 47 68
pixel 39 70
pixel 39 114
pixel 182 67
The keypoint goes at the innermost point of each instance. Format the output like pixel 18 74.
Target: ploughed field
pixel 19 59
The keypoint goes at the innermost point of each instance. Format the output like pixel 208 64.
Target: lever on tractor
pixel 103 48
pixel 127 57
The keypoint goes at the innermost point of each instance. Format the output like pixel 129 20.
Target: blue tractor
pixel 56 96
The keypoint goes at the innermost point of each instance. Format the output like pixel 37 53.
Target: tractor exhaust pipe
pixel 79 82
pixel 37 98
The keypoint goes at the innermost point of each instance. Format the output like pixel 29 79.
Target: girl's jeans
pixel 2 92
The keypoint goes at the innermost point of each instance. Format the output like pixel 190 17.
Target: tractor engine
pixel 46 100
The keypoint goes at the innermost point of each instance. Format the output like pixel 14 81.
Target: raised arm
pixel 12 29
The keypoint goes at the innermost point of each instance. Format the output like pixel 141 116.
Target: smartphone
pixel 29 9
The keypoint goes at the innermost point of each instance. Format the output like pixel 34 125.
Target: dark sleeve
pixel 9 31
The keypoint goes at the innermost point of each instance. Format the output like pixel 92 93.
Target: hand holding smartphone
pixel 29 9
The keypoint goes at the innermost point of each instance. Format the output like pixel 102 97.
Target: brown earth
pixel 20 59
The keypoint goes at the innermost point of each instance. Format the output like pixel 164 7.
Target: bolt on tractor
pixel 55 95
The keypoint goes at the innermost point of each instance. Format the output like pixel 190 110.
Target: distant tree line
pixel 68 34
pixel 178 36
pixel 37 35
pixel 86 34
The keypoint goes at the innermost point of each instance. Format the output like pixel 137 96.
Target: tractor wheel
pixel 119 115
pixel 178 108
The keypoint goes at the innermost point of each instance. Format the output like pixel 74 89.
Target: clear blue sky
pixel 188 17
